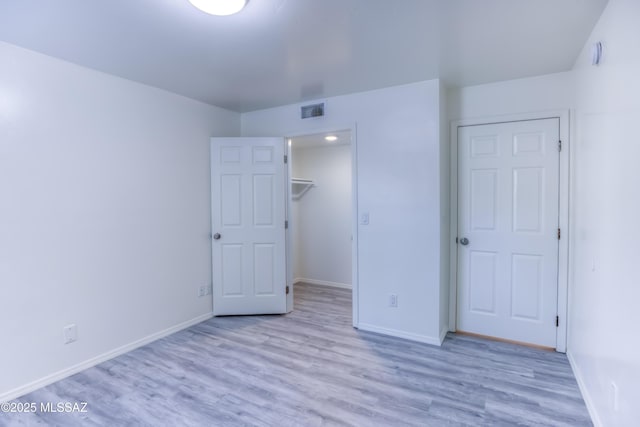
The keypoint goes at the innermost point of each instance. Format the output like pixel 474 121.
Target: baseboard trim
pixel 400 334
pixel 586 396
pixel 67 372
pixel 322 283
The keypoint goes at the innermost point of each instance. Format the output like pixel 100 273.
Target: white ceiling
pixel 278 52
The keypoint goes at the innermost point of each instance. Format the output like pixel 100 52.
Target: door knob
pixel 464 241
pixel 217 236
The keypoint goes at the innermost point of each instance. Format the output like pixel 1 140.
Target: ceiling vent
pixel 315 110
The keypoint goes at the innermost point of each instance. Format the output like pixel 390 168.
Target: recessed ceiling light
pixel 220 7
pixel 331 138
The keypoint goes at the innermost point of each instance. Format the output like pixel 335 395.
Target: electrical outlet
pixel 70 333
pixel 393 300
pixel 202 291
pixel 364 218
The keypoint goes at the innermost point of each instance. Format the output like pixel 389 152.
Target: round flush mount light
pixel 220 7
pixel 331 138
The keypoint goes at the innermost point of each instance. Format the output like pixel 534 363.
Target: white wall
pixel 398 174
pixel 603 328
pixel 322 223
pixel 104 217
pixel 534 94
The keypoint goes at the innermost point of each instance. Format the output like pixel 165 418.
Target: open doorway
pixel 321 210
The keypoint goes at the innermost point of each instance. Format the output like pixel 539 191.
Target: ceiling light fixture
pixel 331 138
pixel 220 7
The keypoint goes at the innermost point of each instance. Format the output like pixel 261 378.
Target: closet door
pixel 508 215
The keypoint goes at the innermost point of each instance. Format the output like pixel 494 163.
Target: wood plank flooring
pixel 311 368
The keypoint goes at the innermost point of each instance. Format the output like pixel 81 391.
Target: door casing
pixel 563 249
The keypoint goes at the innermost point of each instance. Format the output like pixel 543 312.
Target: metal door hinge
pixel 456 240
pixel 286 225
pixel 559 234
pixel 560 145
pixel 286 158
pixel 287 290
pixel 557 321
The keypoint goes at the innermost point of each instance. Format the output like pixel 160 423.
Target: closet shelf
pixel 301 181
pixel 300 186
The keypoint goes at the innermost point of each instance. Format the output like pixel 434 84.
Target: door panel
pixel 482 282
pixel 263 273
pixel 263 209
pixel 528 199
pixel 230 197
pixel 526 286
pixel 248 215
pixel 508 210
pixel 232 274
pixel 483 199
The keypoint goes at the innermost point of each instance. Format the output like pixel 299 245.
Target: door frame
pixel 563 246
pixel 352 127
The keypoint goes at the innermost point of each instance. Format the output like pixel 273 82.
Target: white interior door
pixel 248 225
pixel 508 189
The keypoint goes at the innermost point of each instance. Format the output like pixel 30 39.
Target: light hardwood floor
pixel 311 368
